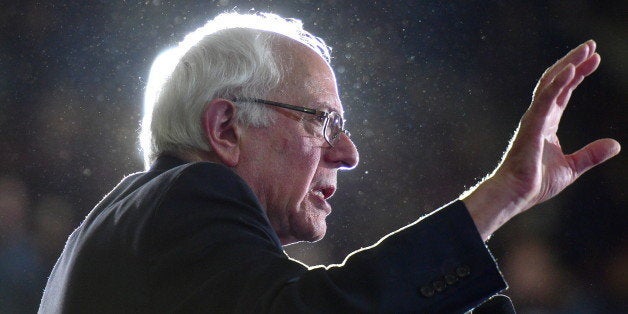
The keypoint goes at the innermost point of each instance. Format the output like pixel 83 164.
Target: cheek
pixel 300 165
pixel 306 164
pixel 296 154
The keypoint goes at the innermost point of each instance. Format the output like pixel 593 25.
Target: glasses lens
pixel 334 127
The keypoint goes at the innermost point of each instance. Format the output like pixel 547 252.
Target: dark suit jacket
pixel 193 238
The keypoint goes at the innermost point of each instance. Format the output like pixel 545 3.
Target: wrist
pixel 489 206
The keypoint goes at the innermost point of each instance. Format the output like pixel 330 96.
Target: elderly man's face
pixel 289 165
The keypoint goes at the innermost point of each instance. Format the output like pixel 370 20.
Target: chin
pixel 310 233
pixel 316 234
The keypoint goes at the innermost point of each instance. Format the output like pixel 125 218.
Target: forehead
pixel 321 95
pixel 308 79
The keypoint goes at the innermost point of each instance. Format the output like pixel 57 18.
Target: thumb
pixel 593 154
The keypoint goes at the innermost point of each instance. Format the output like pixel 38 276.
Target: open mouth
pixel 324 192
pixel 320 196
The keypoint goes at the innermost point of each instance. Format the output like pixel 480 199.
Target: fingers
pixel 557 86
pixel 558 82
pixel 575 57
pixel 592 155
pixel 538 113
pixel 592 45
pixel 583 70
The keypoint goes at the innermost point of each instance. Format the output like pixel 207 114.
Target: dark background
pixel 432 91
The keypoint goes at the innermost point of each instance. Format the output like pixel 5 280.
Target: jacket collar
pixel 166 162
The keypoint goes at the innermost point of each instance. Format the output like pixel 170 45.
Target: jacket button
pixel 463 271
pixel 451 279
pixel 439 285
pixel 427 291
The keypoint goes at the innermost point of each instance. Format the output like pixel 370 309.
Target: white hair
pixel 230 56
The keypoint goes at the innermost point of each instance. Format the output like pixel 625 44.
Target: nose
pixel 344 154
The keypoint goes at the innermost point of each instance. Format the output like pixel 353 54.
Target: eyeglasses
pixel 333 123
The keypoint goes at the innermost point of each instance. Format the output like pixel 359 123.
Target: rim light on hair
pixel 230 56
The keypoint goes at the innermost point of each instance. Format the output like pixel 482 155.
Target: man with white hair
pixel 243 137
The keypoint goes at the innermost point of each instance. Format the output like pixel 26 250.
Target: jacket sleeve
pixel 213 250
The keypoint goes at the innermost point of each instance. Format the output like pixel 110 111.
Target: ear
pixel 221 130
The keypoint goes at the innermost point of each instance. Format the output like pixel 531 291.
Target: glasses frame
pixel 318 113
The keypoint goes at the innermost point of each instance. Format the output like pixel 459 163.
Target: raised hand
pixel 534 167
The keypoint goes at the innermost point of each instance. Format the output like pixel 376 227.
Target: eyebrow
pixel 325 105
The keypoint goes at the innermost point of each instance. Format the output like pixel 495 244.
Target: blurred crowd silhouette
pixel 31 239
pixel 432 92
